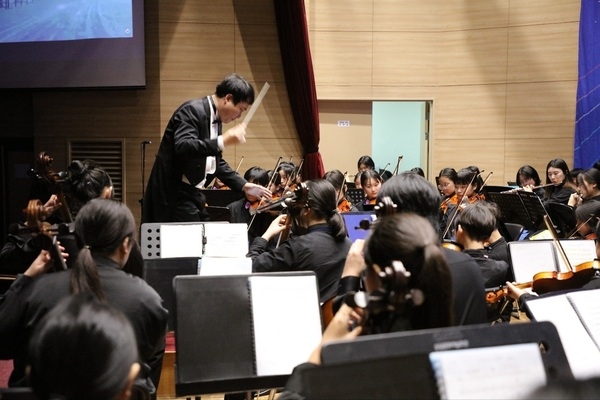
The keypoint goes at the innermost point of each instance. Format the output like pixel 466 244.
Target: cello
pixel 54 181
pixel 45 232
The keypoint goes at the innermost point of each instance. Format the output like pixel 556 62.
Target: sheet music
pixel 530 257
pixel 211 266
pixel 475 373
pixel 587 305
pixel 286 319
pixel 578 251
pixel 181 240
pixel 581 351
pixel 226 240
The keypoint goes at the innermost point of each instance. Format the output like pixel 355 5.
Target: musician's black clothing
pixel 316 251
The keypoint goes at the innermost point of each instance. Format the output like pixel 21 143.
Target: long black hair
pixel 100 227
pixel 323 202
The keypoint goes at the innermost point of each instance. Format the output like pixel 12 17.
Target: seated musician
pixel 411 192
pixel 406 286
pixel 338 180
pixel 561 189
pixel 286 171
pixel 244 210
pixel 370 181
pixel 528 179
pixel 87 180
pixel 468 185
pixel 319 243
pixel 474 226
pixel 586 217
pixel 521 295
pixel 588 188
pixel 357 180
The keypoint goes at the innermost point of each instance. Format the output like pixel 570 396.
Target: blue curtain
pixel 587 117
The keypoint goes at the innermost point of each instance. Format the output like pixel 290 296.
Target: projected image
pixel 60 20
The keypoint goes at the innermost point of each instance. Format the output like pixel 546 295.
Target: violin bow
pixel 383 171
pixel 397 166
pixel 271 180
pixel 240 164
pixel 464 196
pixel 485 181
pixel 572 233
pixel 557 243
pixel 341 191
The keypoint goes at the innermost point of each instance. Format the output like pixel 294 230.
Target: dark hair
pixel 418 170
pixel 275 176
pixel 323 202
pixel 288 168
pixel 87 180
pixel 449 173
pixel 336 178
pixel 591 176
pixel 560 164
pixel 477 220
pixel 257 175
pixel 366 161
pixel 238 87
pixel 528 172
pixel 100 227
pixel 467 175
pixel 588 211
pixel 368 174
pixel 412 192
pixel 82 349
pixel 406 237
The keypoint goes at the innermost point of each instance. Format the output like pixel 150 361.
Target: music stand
pixel 356 196
pixel 563 216
pixel 512 208
pixel 396 365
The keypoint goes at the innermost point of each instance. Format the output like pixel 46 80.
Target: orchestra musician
pixel 529 179
pixel 586 217
pixel 319 243
pixel 588 188
pixel 406 288
pixel 370 181
pixel 338 180
pixel 411 192
pixel 468 185
pixel 244 210
pixel 107 231
pixel 560 191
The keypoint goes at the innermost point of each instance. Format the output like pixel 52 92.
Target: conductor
pixel 190 152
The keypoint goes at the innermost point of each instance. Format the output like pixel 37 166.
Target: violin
pixel 452 200
pixel 452 245
pixel 36 215
pixel 54 180
pixel 344 205
pixel 575 278
pixel 496 294
pixel 296 201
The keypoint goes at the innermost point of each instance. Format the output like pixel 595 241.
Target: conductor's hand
pixel 355 260
pixel 40 265
pixel 340 327
pixel 276 227
pixel 235 135
pixel 257 191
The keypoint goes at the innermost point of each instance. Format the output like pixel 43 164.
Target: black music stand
pixel 519 207
pixel 160 272
pixel 356 196
pixel 214 335
pixel 397 365
pixel 563 216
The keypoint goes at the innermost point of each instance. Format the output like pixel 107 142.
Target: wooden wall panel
pixel 536 12
pixel 471 57
pixel 541 110
pixel 536 152
pixel 212 12
pixel 349 16
pixel 542 53
pixel 406 15
pixel 401 58
pixel 469 112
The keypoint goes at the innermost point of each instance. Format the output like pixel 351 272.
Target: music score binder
pixel 399 365
pixel 243 332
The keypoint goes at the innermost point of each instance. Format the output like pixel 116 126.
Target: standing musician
pixel 320 242
pixel 338 180
pixel 190 153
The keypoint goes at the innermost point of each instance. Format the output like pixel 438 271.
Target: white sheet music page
pixel 530 257
pixel 287 321
pixel 587 305
pixel 578 251
pixel 581 351
pixel 226 240
pixel 489 372
pixel 211 266
pixel 181 240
